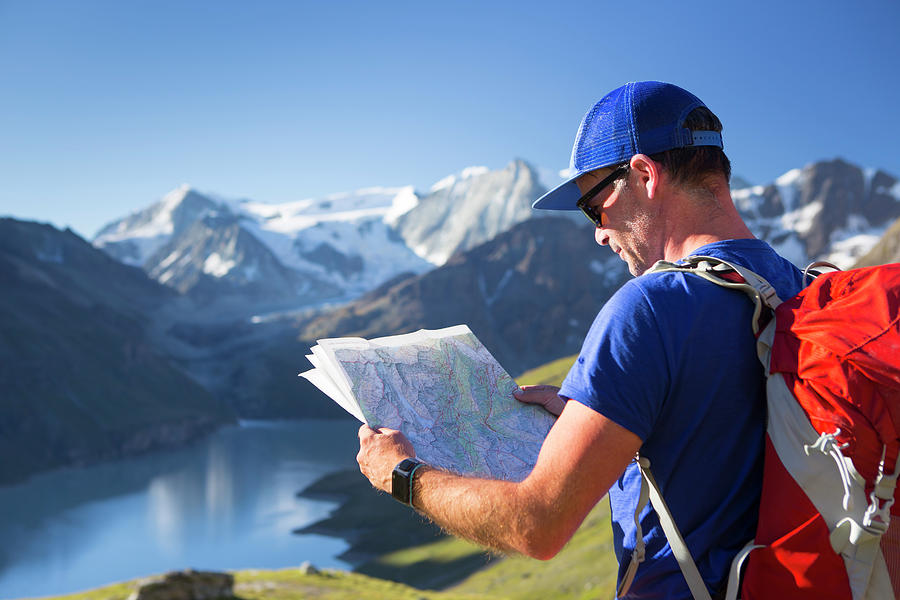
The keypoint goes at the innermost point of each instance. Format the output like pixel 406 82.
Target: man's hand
pixel 379 452
pixel 545 395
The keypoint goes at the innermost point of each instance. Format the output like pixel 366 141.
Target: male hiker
pixel 668 368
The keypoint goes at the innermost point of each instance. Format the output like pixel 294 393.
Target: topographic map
pixel 441 388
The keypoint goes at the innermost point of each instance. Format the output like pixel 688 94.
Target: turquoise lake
pixel 228 501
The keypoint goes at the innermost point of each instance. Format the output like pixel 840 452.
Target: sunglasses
pixel 595 214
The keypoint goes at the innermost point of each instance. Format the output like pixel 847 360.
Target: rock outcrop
pixel 186 585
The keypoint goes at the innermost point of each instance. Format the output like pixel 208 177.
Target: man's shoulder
pixel 648 297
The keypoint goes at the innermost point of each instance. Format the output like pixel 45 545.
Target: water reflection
pixel 228 502
pixel 219 489
pixel 164 511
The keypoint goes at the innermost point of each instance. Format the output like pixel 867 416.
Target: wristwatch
pixel 402 479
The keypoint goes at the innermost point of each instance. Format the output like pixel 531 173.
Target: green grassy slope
pixel 551 374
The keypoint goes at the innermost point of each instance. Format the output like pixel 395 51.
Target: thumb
pixel 535 393
pixel 543 395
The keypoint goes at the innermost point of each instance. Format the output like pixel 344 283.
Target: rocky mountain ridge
pixel 463 211
pixel 829 210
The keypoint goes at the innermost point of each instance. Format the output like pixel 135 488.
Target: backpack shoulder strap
pixel 650 490
pixel 729 275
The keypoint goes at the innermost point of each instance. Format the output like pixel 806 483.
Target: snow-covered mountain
pixel 346 239
pixel 829 210
pixel 314 250
pixel 293 254
pixel 133 239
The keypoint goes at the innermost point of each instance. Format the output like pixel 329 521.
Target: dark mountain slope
pixel 79 380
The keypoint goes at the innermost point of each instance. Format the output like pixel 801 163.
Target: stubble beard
pixel 637 254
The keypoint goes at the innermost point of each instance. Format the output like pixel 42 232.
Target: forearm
pixel 502 515
pixel 581 457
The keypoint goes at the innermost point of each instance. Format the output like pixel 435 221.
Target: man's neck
pixel 698 226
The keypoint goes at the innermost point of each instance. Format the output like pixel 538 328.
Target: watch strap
pixel 402 479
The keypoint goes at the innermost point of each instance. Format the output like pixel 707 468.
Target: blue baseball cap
pixel 641 117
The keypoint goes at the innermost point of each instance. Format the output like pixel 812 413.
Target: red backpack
pixel 832 360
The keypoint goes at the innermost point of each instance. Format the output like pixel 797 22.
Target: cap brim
pixel 562 197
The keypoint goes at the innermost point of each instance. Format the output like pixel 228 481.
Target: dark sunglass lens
pixel 591 214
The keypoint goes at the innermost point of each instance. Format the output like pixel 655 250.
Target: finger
pixel 366 432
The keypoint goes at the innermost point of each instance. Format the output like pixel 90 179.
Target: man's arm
pixel 583 455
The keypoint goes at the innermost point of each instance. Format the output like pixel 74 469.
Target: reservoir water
pixel 226 502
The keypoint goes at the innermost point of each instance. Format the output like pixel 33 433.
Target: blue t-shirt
pixel 672 358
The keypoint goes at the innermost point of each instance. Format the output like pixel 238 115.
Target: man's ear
pixel 648 172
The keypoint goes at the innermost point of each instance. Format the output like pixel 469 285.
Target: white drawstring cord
pixel 826 444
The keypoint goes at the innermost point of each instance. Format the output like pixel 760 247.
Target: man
pixel 668 367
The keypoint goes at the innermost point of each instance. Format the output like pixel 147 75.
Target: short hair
pixel 692 166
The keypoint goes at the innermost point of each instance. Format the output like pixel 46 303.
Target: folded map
pixel 443 390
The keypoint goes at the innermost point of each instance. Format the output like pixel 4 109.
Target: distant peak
pixel 177 195
pixel 466 173
pixel 522 163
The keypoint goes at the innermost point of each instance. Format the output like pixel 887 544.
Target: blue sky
pixel 107 105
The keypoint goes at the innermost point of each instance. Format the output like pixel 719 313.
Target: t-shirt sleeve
pixel 622 371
